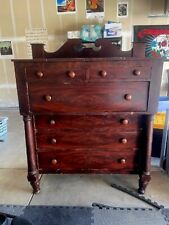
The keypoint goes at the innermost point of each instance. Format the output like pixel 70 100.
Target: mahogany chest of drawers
pixel 88 110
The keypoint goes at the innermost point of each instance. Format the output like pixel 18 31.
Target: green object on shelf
pixel 90 33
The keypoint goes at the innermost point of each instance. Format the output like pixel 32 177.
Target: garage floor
pixel 69 190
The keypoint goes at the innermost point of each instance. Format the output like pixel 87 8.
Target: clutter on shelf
pixel 90 33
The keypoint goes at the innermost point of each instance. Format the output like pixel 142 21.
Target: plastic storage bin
pixel 160 125
pixel 159 120
pixel 3 126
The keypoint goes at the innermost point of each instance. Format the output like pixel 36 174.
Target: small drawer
pixel 119 70
pixel 123 121
pixel 114 97
pixel 84 160
pixel 57 72
pixel 90 138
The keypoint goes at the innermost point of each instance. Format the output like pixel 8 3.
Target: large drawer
pixel 120 121
pixel 84 161
pixel 95 138
pixel 116 96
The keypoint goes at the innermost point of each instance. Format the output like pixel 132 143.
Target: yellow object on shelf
pixel 159 120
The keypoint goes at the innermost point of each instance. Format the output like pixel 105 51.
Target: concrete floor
pixel 69 190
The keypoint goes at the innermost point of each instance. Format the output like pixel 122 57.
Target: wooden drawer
pixel 95 138
pixel 116 96
pixel 85 161
pixel 78 72
pixel 121 121
pixel 57 72
pixel 125 70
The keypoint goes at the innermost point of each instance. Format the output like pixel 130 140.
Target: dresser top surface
pixel 105 59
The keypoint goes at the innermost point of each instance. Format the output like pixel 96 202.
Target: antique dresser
pixel 88 109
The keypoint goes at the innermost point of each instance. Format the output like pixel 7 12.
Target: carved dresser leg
pixel 143 182
pixel 146 157
pixel 33 173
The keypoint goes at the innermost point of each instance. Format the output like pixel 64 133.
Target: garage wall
pixel 18 15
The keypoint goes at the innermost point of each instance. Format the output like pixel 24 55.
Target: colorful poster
pixel 94 9
pixel 6 50
pixel 66 6
pixel 156 38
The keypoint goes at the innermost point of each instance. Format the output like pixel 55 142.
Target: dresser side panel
pixel 22 88
pixel 154 89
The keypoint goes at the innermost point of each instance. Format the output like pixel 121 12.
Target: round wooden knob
pixel 137 72
pixel 39 74
pixel 125 121
pixel 71 74
pixel 103 73
pixel 123 140
pixel 122 161
pixel 54 161
pixel 52 122
pixel 128 97
pixel 53 141
pixel 48 98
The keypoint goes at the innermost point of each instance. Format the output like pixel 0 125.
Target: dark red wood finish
pixel 79 160
pixel 95 138
pixel 98 97
pixel 122 121
pixel 88 110
pixel 89 72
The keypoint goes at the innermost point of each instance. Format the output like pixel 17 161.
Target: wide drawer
pixel 78 72
pixel 95 138
pixel 116 96
pixel 57 72
pixel 125 70
pixel 120 121
pixel 84 161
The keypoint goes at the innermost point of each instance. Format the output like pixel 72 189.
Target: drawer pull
pixel 53 140
pixel 124 141
pixel 103 73
pixel 137 72
pixel 125 121
pixel 54 161
pixel 128 97
pixel 122 161
pixel 71 74
pixel 48 98
pixel 52 122
pixel 39 74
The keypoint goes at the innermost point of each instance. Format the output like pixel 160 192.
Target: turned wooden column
pixel 146 161
pixel 33 174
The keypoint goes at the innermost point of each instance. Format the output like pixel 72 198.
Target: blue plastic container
pixel 163 103
pixel 3 126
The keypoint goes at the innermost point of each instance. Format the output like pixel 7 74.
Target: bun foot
pixel 143 182
pixel 33 178
pixel 141 191
pixel 36 191
pixel 36 187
